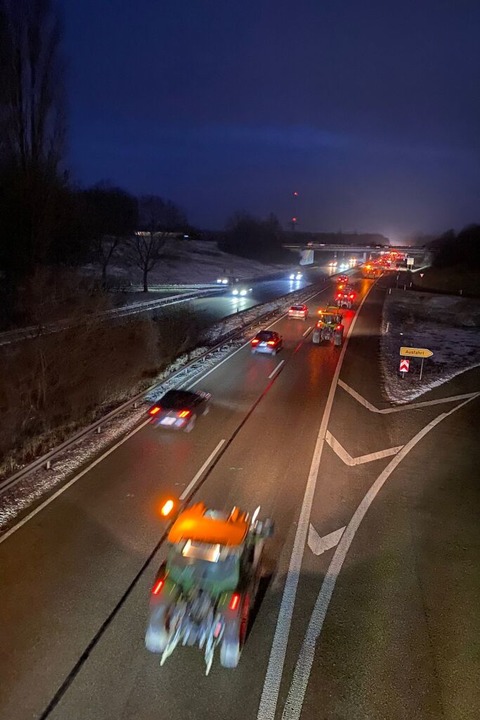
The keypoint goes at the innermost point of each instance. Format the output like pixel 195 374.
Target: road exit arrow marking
pixel 361 459
pixel 319 545
pixel 415 352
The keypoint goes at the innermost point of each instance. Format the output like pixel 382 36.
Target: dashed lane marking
pixel 276 661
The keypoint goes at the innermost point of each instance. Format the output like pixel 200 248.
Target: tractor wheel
pixel 156 637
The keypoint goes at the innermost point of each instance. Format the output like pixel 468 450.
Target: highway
pixel 369 608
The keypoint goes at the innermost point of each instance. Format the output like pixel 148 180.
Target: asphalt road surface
pixel 369 608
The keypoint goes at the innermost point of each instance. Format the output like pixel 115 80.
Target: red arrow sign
pixel 404 365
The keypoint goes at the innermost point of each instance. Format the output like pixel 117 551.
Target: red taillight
pixel 234 601
pixel 255 341
pixel 339 296
pixel 338 327
pixel 352 295
pixel 154 410
pixel 271 342
pixel 184 414
pixel 158 586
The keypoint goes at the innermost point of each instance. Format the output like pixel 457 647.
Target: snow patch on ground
pixel 181 373
pixel 415 320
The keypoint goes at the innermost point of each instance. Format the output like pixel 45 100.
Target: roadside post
pixel 422 353
pixel 404 366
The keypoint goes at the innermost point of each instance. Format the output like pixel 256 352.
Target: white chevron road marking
pixel 361 459
pixel 319 545
pixel 400 408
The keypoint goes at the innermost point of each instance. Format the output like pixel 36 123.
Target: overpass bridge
pixel 363 252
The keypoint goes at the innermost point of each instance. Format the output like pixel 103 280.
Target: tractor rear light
pixel 158 586
pixel 234 601
pixel 184 414
pixel 154 410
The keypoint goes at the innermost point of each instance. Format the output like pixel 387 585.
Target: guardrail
pixel 176 375
pixel 33 331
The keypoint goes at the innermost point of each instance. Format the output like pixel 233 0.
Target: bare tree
pixel 32 93
pixel 32 132
pixel 145 250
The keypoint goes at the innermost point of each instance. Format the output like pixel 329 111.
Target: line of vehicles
pixel 204 593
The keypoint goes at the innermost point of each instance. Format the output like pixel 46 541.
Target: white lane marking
pixel 361 459
pixel 273 676
pixel 69 484
pixel 275 370
pixel 200 472
pixel 307 330
pixel 319 545
pixel 114 447
pixel 301 675
pixel 401 408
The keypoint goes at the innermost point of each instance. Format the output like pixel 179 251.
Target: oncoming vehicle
pixel 296 275
pixel 266 341
pixel 298 312
pixel 345 296
pixel 179 409
pixel 328 327
pixel 205 591
pixel 241 291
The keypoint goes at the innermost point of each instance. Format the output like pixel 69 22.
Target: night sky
pixel 369 109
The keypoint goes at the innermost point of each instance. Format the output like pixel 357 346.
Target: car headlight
pixel 243 292
pixel 235 292
pixel 292 276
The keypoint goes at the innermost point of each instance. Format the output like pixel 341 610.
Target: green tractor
pixel 329 326
pixel 204 593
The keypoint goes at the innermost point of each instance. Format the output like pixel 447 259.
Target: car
pixel 345 296
pixel 342 279
pixel 241 291
pixel 333 263
pixel 179 409
pixel 222 281
pixel 266 341
pixel 298 312
pixel 296 275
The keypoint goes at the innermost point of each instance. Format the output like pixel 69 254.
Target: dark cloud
pixel 370 109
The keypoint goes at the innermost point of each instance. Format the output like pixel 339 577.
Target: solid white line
pixel 275 370
pixel 307 331
pixel 401 408
pixel 114 447
pixel 345 456
pixel 301 675
pixel 273 676
pixel 200 472
pixel 319 545
pixel 69 484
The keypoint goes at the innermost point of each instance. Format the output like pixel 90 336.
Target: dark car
pixel 179 409
pixel 266 341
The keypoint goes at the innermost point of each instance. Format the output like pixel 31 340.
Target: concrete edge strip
pixel 301 675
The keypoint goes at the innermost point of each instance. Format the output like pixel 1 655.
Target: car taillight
pixel 339 296
pixel 338 327
pixel 154 410
pixel 234 601
pixel 255 341
pixel 352 295
pixel 184 414
pixel 271 342
pixel 158 586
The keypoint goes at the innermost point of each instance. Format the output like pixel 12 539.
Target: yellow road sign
pixel 415 352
